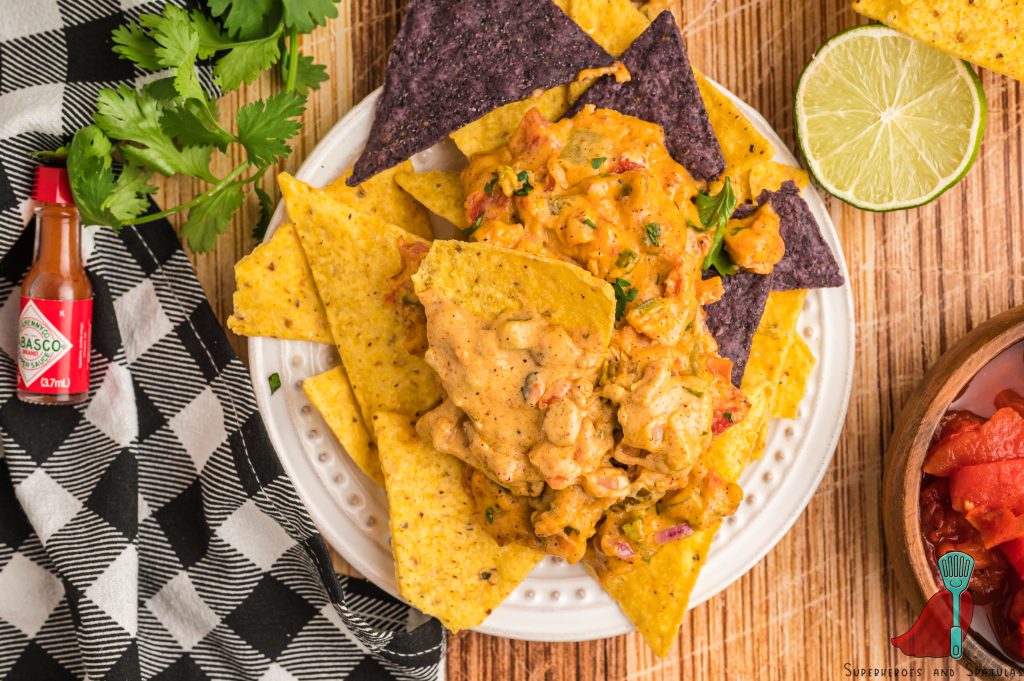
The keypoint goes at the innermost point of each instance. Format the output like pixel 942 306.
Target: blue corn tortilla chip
pixel 455 60
pixel 807 264
pixel 734 317
pixel 663 90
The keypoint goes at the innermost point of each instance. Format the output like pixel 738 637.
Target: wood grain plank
pixel 825 596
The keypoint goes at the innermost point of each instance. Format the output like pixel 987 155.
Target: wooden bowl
pixel 901 486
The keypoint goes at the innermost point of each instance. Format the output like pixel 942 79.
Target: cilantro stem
pixel 224 183
pixel 212 121
pixel 293 60
pixel 231 44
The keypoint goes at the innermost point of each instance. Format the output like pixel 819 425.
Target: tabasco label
pixel 53 346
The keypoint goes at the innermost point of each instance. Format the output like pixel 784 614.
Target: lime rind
pixel 849 105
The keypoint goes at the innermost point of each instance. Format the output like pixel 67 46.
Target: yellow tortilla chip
pixel 775 333
pixel 655 595
pixel 793 382
pixel 439 191
pixel 489 280
pixel 613 24
pixel 989 33
pixel 275 295
pixel 742 145
pixel 495 128
pixel 447 565
pixel 771 175
pixel 382 198
pixel 331 394
pixel 353 257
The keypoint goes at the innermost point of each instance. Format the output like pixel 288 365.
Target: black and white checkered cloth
pixel 151 532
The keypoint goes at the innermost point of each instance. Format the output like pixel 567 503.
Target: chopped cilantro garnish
pixel 715 211
pixel 468 231
pixel 489 187
pixel 653 233
pixel 590 223
pixel 489 513
pixel 624 294
pixel 727 416
pixel 274 380
pixel 596 163
pixel 524 188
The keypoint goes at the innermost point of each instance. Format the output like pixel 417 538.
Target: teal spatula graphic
pixel 956 568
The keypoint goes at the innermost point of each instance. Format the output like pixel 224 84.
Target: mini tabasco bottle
pixel 55 326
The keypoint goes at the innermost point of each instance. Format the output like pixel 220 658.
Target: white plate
pixel 557 601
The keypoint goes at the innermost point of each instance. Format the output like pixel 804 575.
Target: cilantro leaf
pixel 89 163
pixel 590 223
pixel 161 90
pixel 245 19
pixel 524 188
pixel 193 125
pixel 259 231
pixel 177 48
pixel 274 381
pixel 264 127
pixel 653 230
pixel 133 43
pixel 211 38
pixel 126 114
pixel 102 200
pixel 308 75
pixel 131 196
pixel 596 163
pixel 624 294
pixel 715 212
pixel 209 219
pixel 305 15
pixel 245 63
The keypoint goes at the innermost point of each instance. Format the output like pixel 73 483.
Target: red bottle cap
pixel 52 186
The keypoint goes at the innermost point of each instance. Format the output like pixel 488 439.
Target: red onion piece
pixel 623 550
pixel 673 533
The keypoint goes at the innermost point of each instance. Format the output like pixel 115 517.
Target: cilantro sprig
pixel 625 293
pixel 172 127
pixel 715 211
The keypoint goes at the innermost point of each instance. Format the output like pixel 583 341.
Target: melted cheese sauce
pixel 565 442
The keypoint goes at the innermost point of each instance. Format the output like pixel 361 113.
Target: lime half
pixel 886 122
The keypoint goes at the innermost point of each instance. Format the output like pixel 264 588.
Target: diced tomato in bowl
pixel 998 439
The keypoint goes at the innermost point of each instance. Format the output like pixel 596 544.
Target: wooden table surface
pixel 824 602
